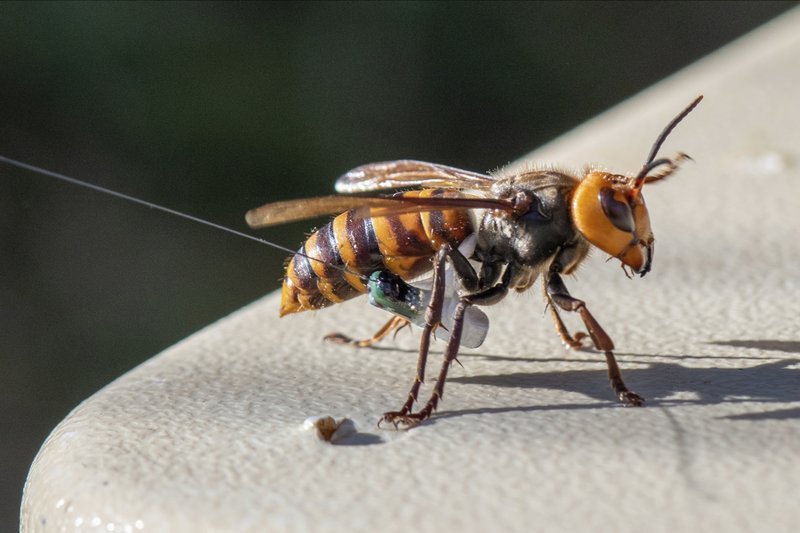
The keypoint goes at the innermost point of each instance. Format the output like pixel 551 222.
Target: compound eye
pixel 619 213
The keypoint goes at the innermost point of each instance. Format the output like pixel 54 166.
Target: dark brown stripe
pixel 371 242
pixel 313 300
pixel 328 246
pixel 408 240
pixel 342 289
pixel 328 251
pixel 306 278
pixel 361 235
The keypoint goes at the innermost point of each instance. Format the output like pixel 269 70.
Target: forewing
pixel 407 173
pixel 287 211
pixel 275 213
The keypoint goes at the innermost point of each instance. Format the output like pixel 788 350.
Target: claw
pixel 337 338
pixel 576 341
pixel 398 418
pixel 631 399
pixel 396 331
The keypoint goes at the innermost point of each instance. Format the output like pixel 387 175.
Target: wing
pixel 408 173
pixel 287 211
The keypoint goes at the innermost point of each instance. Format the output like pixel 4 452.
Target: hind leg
pixel 395 324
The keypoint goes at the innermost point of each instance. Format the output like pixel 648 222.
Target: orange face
pixel 612 215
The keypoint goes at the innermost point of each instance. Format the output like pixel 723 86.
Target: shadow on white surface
pixel 775 381
pixel 774 345
pixel 662 383
pixel 359 439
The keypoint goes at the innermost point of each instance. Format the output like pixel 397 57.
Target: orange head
pixel 609 210
pixel 612 215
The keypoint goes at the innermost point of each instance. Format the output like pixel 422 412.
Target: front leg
pixel 558 293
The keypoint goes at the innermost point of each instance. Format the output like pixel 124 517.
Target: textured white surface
pixel 208 435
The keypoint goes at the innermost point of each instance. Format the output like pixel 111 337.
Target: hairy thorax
pixel 527 243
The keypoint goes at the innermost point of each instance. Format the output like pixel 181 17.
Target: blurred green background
pixel 214 108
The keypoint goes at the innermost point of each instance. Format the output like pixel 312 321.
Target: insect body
pixel 524 226
pixel 402 243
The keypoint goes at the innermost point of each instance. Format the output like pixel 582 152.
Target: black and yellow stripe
pixel 363 242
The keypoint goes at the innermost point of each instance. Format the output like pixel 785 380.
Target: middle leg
pixel 571 341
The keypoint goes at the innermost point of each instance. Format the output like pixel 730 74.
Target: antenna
pixel 651 161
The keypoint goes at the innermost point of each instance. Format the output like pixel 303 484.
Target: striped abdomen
pixel 402 243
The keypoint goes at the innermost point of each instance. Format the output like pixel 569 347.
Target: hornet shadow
pixel 772 382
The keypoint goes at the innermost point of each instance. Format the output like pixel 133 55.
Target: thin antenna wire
pixel 50 173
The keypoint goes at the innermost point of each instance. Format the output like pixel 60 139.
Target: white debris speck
pixel 327 428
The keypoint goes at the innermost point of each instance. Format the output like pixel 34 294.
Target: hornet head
pixel 609 209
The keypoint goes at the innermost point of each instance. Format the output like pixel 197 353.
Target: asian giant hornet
pixel 539 223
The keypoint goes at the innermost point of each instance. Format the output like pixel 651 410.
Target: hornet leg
pixel 433 317
pixel 394 324
pixel 557 291
pixel 487 296
pixel 412 419
pixel 571 341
